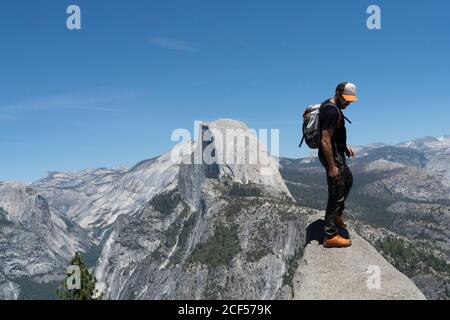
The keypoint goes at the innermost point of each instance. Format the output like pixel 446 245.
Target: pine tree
pixel 88 281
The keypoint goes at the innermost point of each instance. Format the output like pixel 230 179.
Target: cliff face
pixel 99 196
pixel 355 273
pixel 229 232
pixel 241 156
pixel 236 246
pixel 35 241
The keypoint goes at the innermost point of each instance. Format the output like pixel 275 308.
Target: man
pixel 332 152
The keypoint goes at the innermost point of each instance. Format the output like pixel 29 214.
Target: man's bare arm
pixel 350 152
pixel 328 151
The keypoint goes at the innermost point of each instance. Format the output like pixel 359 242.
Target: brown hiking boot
pixel 337 242
pixel 340 222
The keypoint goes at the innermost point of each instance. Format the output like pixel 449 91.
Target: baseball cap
pixel 348 91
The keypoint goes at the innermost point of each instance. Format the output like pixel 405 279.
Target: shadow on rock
pixel 315 232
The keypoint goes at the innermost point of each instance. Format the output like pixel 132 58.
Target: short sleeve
pixel 329 118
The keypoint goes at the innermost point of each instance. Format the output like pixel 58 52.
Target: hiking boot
pixel 340 222
pixel 337 242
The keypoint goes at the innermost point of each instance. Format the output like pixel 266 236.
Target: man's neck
pixel 333 100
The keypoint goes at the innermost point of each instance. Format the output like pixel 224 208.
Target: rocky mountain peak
pixel 428 143
pixel 21 203
pixel 240 155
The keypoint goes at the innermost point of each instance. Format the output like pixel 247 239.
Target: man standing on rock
pixel 332 152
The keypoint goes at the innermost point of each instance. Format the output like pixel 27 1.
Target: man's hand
pixel 350 152
pixel 334 172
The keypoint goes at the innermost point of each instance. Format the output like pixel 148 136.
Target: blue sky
pixel 112 93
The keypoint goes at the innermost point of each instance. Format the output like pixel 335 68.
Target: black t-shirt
pixel 329 118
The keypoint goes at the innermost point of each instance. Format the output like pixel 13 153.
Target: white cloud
pixel 172 44
pixel 58 103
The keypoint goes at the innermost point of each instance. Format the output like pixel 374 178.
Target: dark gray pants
pixel 338 191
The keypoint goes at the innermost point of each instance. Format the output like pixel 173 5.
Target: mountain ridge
pixel 160 225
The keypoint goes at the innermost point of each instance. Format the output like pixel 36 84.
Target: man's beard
pixel 341 103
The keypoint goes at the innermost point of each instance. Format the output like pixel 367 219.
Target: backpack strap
pixel 301 142
pixel 339 113
pixel 329 103
pixel 347 120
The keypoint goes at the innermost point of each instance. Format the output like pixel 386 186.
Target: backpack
pixel 312 132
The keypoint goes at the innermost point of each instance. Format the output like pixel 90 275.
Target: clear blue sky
pixel 112 93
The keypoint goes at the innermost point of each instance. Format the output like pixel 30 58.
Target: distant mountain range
pixel 165 230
